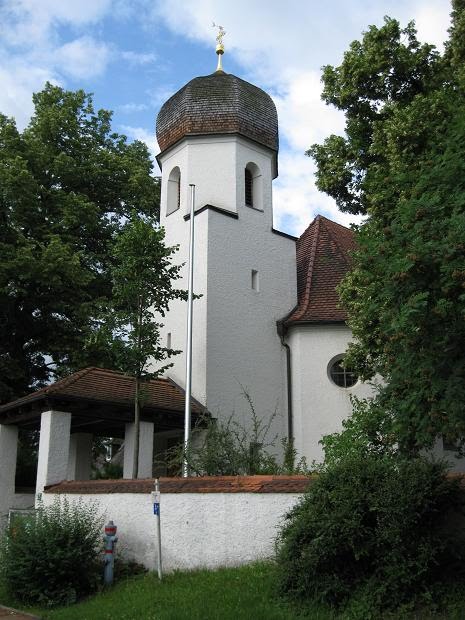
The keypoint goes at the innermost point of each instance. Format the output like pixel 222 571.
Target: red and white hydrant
pixel 110 541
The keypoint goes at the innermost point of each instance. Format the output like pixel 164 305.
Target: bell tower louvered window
pixel 248 188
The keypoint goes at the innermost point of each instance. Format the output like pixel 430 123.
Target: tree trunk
pixel 135 463
pixel 135 467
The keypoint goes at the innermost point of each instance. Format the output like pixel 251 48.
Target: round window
pixel 341 375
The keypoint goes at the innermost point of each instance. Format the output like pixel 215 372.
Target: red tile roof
pixel 323 259
pixel 201 484
pixel 111 387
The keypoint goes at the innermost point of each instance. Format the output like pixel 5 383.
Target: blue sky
pixel 134 54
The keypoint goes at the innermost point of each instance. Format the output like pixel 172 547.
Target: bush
pixel 369 431
pixel 53 557
pixel 380 532
pixel 228 448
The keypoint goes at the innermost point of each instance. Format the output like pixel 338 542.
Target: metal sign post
pixel 187 411
pixel 156 512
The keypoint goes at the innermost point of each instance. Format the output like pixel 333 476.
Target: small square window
pixel 254 280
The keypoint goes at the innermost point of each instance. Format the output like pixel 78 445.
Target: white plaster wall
pixel 263 158
pixel 198 530
pixel 215 165
pixel 319 406
pixel 23 500
pixel 235 342
pixel 177 233
pixel 243 347
pixel 212 168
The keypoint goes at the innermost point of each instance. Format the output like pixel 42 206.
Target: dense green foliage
pixel 377 532
pixel 53 557
pixel 66 181
pixel 377 81
pixel 402 162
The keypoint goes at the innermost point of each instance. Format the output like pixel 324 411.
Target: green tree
pixel 143 276
pixel 66 182
pixel 402 163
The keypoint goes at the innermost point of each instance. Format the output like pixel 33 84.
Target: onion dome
pixel 219 103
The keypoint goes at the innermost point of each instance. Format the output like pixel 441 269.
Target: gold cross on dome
pixel 220 35
pixel 219 45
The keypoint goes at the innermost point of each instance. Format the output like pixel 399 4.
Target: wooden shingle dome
pixel 219 103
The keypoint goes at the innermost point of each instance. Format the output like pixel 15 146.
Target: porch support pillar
pixel 52 465
pixel 8 453
pixel 145 450
pixel 80 456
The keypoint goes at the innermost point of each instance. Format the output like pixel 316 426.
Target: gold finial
pixel 219 45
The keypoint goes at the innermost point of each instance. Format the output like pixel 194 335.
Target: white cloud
pixel 296 200
pixel 432 21
pixel 28 22
pixel 18 82
pixel 31 51
pixel 137 58
pixel 82 58
pixel 303 117
pixel 82 12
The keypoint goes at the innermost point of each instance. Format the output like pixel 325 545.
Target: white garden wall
pixel 199 530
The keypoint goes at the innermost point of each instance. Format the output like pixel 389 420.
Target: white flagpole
pixel 156 510
pixel 190 286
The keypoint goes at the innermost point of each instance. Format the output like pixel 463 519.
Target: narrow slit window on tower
pixel 254 280
pixel 168 340
pixel 248 188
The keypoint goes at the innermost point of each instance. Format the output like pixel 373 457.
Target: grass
pixel 226 594
pixel 245 593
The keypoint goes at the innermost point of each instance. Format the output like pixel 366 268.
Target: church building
pixel 267 320
pixel 269 331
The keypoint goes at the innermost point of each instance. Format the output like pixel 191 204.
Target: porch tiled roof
pixel 109 386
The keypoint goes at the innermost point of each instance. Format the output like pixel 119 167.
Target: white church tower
pixel 220 133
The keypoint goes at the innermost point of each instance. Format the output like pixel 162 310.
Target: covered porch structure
pixel 69 413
